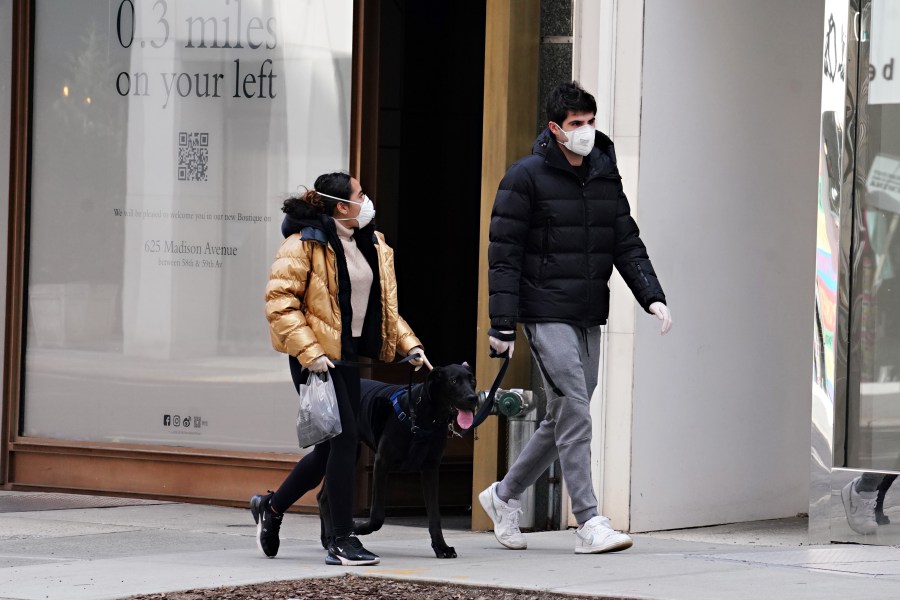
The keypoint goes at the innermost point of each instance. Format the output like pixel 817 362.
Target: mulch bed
pixel 354 587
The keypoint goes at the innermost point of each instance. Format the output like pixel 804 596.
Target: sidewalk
pixel 67 547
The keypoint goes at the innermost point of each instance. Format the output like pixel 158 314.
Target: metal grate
pixel 31 501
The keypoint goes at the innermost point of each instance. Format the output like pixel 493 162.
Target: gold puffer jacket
pixel 302 302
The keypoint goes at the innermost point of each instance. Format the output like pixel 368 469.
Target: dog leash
pixel 488 405
pixel 480 416
pixel 354 363
pixel 410 419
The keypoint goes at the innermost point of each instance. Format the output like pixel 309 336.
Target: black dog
pixel 410 436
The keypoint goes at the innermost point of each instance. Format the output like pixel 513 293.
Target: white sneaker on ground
pixel 860 508
pixel 505 516
pixel 596 536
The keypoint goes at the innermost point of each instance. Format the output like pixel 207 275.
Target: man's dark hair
pixel 569 97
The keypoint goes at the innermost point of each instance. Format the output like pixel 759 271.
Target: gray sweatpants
pixel 568 358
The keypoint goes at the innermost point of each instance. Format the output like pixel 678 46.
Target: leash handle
pixel 485 409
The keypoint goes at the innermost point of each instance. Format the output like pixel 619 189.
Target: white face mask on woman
pixel 366 210
pixel 581 140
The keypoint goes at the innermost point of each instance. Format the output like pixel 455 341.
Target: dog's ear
pixel 466 365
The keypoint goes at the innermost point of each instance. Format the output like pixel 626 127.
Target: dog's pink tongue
pixel 465 418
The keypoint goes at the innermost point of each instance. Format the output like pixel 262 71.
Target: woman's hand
pixel 320 365
pixel 422 359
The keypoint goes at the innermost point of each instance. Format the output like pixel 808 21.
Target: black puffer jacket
pixel 554 240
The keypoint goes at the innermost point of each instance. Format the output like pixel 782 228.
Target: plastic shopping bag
pixel 318 418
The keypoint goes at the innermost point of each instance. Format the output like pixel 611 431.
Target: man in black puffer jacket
pixel 559 225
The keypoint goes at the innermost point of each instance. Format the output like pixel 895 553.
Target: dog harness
pixel 395 402
pixel 402 416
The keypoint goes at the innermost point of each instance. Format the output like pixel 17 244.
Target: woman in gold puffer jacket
pixel 305 269
pixel 331 298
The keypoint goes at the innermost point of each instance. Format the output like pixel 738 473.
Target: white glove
pixel 662 313
pixel 500 346
pixel 320 365
pixel 422 359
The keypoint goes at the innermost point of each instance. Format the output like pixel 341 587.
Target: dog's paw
pixel 445 552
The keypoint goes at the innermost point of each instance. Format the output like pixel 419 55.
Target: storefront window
pixel 165 137
pixel 874 419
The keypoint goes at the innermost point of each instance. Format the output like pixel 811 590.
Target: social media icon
pixel 167 420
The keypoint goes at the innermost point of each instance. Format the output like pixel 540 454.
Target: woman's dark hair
pixel 310 203
pixel 569 97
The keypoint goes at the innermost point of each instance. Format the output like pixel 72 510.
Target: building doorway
pixel 422 98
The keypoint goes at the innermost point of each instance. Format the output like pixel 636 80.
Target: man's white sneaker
pixel 860 508
pixel 597 536
pixel 505 516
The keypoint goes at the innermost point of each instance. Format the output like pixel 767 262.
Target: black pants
pixel 334 459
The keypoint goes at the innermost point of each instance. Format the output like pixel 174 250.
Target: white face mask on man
pixel 366 210
pixel 581 140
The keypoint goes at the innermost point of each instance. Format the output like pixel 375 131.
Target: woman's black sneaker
pixel 349 551
pixel 268 524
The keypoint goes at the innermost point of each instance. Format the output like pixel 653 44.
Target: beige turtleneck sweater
pixel 360 277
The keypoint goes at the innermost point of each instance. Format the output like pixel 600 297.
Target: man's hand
pixel 422 359
pixel 662 313
pixel 320 365
pixel 499 346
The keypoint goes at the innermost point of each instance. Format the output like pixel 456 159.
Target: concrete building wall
pixel 713 107
pixel 728 182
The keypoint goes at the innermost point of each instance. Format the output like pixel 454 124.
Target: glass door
pixel 864 505
pixel 873 407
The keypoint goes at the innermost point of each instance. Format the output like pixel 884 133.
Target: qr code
pixel 193 156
